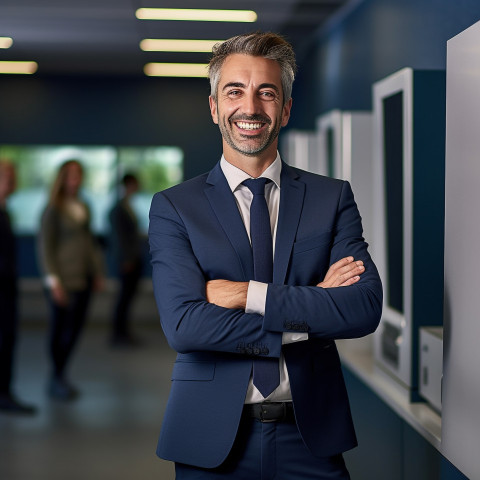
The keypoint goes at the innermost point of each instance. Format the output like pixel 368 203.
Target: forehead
pixel 74 168
pixel 247 69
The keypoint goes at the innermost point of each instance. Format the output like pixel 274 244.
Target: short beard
pixel 249 151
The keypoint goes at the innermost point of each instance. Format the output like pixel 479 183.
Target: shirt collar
pixel 235 176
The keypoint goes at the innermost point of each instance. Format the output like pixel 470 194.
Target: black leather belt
pixel 270 411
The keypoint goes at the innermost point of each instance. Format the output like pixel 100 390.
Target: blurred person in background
pixel 8 296
pixel 72 265
pixel 126 248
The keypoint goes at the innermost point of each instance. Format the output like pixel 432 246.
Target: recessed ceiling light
pixel 195 14
pixel 176 69
pixel 5 42
pixel 18 67
pixel 172 45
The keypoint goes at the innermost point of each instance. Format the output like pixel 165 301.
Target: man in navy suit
pixel 224 323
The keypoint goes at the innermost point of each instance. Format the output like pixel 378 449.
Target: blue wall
pixel 377 38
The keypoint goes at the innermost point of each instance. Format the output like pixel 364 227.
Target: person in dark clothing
pixel 126 247
pixel 8 296
pixel 72 265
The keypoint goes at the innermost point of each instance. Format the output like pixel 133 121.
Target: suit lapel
pixel 292 193
pixel 225 208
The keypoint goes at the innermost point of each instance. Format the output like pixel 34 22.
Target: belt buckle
pixel 264 411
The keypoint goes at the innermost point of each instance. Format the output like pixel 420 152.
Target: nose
pixel 251 103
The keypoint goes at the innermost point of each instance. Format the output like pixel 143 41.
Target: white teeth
pixel 249 126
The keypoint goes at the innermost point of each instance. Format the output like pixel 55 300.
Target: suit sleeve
pixel 190 322
pixel 343 312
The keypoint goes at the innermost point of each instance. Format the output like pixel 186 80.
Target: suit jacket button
pixel 265 351
pixel 288 326
pixel 256 351
pixel 249 351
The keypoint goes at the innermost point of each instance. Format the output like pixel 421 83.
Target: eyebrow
pixel 233 84
pixel 242 85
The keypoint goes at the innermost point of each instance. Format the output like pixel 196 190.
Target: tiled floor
pixel 110 432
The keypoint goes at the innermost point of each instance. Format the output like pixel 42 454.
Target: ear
pixel 213 109
pixel 286 112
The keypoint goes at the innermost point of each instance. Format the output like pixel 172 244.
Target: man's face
pixel 249 109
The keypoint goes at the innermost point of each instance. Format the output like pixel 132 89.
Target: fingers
pixel 350 281
pixel 343 273
pixel 337 265
pixel 348 274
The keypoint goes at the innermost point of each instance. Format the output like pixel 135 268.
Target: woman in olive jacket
pixel 72 266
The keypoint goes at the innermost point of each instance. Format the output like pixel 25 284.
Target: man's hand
pixel 226 293
pixel 343 273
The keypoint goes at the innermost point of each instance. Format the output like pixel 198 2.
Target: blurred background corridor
pixel 110 431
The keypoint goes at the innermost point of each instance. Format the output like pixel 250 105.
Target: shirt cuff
pixel 288 337
pixel 256 297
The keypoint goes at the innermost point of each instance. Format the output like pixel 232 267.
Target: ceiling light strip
pixel 196 15
pixel 5 42
pixel 176 69
pixel 172 45
pixel 18 67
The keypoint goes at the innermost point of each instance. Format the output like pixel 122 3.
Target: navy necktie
pixel 266 374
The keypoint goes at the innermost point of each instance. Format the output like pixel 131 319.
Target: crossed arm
pixel 228 294
pixel 211 316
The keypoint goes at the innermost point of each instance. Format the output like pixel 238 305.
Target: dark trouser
pixel 66 325
pixel 8 331
pixel 269 451
pixel 128 286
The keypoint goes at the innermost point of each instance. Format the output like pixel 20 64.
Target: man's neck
pixel 253 165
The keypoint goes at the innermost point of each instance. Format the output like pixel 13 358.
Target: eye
pixel 234 93
pixel 268 95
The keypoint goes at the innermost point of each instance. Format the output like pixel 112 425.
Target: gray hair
pixel 267 45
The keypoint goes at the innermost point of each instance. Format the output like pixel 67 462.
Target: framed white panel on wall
pixel 345 148
pixel 409 159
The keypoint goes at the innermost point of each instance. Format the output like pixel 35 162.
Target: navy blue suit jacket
pixel 196 234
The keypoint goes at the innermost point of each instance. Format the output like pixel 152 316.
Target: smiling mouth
pixel 249 125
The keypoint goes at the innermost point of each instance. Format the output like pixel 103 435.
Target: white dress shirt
pixel 257 291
